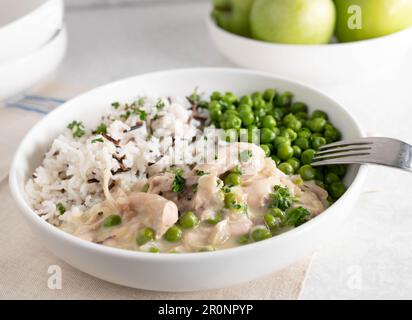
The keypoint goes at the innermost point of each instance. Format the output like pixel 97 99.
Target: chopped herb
pixel 281 198
pixel 60 207
pixel 142 115
pixel 141 101
pixel 126 115
pixel 216 157
pixel 226 189
pixel 97 140
pixel 194 98
pixel 77 129
pixel 297 216
pixel 115 105
pixel 245 155
pixel 160 104
pixel 216 219
pixel 101 129
pixel 237 170
pixel 195 188
pixel 145 187
pixel 179 183
pixel 200 173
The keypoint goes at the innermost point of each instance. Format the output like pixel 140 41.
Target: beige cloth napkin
pixel 24 262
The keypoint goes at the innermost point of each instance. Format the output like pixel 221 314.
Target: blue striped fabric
pixel 35 103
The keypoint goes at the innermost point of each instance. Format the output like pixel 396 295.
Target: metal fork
pixel 383 151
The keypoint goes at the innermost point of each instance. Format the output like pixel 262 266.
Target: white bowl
pixel 21 74
pixel 333 63
pixel 27 25
pixel 187 271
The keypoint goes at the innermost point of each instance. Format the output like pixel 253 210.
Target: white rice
pixel 72 172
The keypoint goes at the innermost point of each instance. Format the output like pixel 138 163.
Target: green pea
pixel 289 118
pixel 244 107
pixel 289 134
pixel 261 234
pixel 233 179
pixel 316 124
pixel 268 122
pixel 307 172
pixel 271 221
pixel 339 169
pixel 336 189
pixel 299 107
pixel 260 113
pixel 331 177
pixel 229 98
pixel 269 94
pixel 280 140
pixel 320 184
pixel 145 235
pixel 247 117
pixel 243 239
pixel 307 156
pixel 297 151
pixel 215 114
pixel 233 122
pixel 266 149
pixel 302 143
pixel 216 219
pixel 319 174
pixel 276 159
pixel 259 104
pixel 277 114
pixel 304 133
pixel 319 114
pixel 253 134
pixel 154 250
pixel 230 107
pixel 257 96
pixel 246 100
pixel 267 136
pixel 230 200
pixel 295 125
pixel 286 168
pixel 216 95
pixel 285 151
pixel 284 100
pixel 276 212
pixel 301 116
pixel 317 142
pixel 112 220
pixel 331 134
pixel 295 163
pixel 215 105
pixel 189 220
pixel 173 234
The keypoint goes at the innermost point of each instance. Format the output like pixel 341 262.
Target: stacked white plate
pixel 32 43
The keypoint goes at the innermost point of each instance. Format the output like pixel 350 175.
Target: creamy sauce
pixel 157 207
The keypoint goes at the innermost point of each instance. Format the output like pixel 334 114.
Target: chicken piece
pixel 240 226
pixel 220 233
pixel 153 211
pixel 209 197
pixel 249 157
pixel 161 183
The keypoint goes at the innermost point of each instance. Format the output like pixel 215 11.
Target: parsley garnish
pixel 101 129
pixel 200 173
pixel 160 104
pixel 179 183
pixel 77 129
pixel 141 101
pixel 281 198
pixel 297 216
pixel 60 207
pixel 97 140
pixel 115 105
pixel 245 155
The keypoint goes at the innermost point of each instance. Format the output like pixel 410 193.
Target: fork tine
pixel 337 150
pixel 346 143
pixel 339 156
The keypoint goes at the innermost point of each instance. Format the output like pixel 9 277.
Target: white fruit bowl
pixel 333 63
pixel 26 26
pixel 186 271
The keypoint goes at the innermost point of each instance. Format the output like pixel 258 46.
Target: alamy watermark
pixel 54 282
pixel 355 18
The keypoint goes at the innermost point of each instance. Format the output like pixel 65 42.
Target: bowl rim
pixel 26 210
pixel 213 26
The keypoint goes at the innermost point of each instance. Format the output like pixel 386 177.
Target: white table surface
pixel 371 254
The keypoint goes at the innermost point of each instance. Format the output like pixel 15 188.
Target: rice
pixel 135 140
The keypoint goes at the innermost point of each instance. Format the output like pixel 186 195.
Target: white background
pixel 371 254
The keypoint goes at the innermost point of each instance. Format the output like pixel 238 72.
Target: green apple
pixel 293 21
pixel 365 19
pixel 233 15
